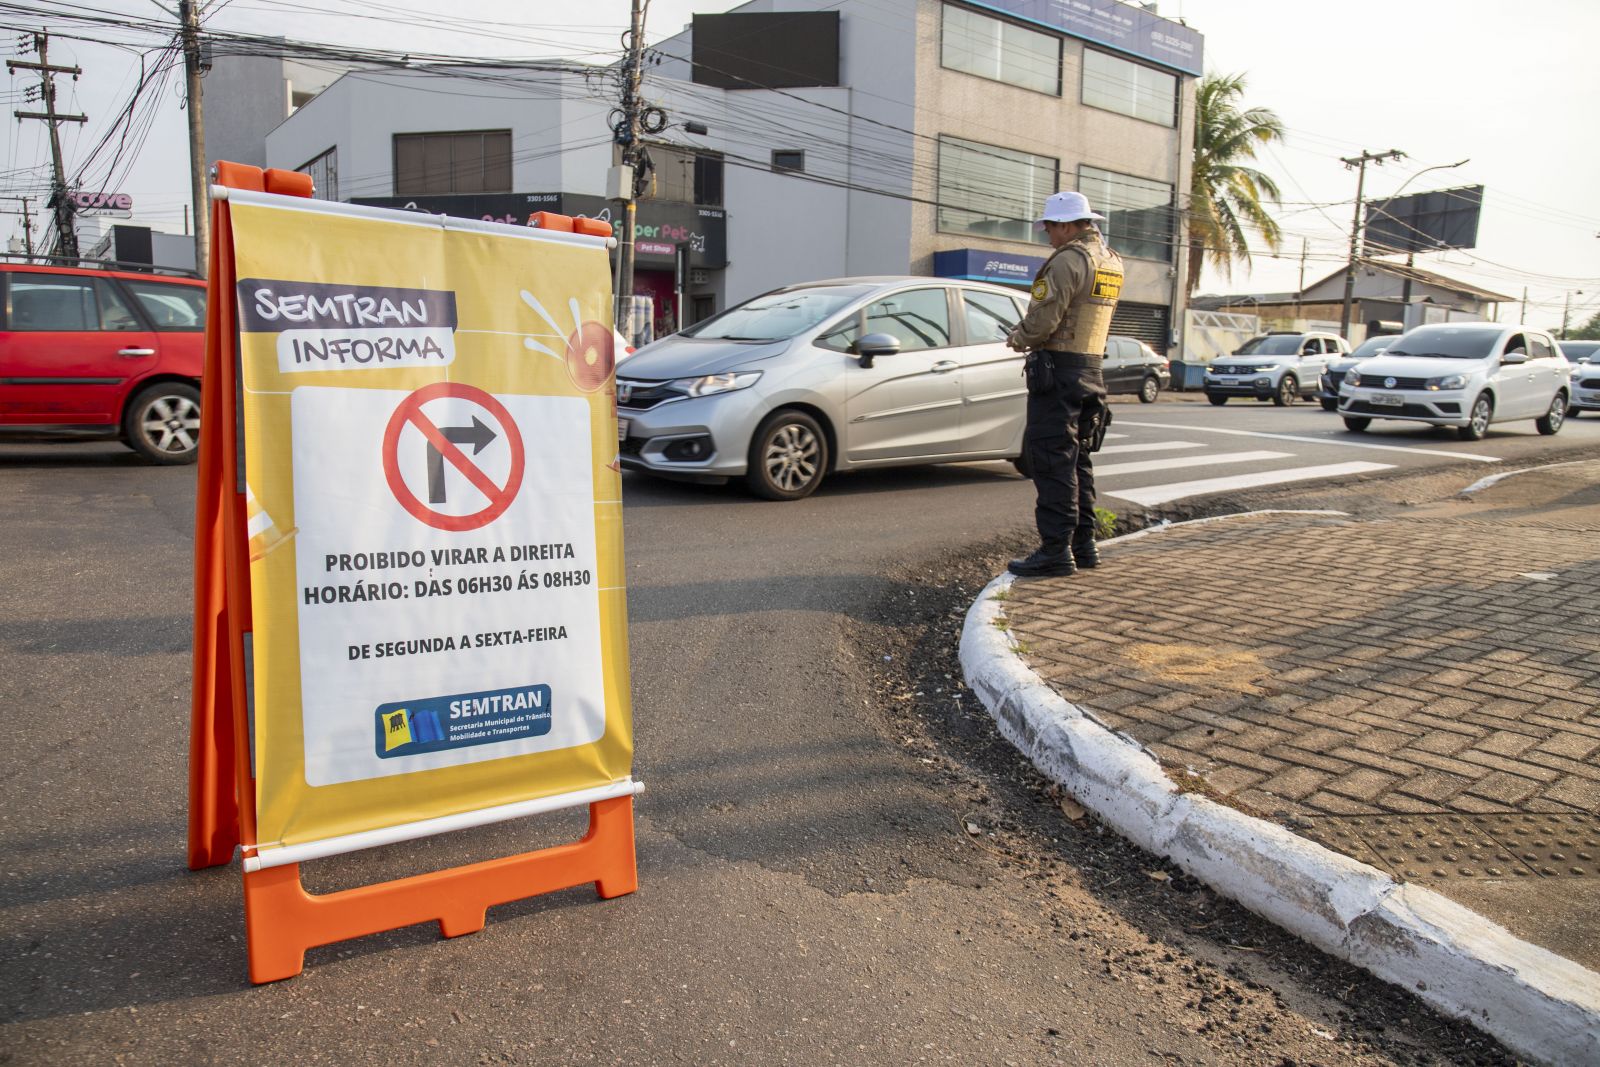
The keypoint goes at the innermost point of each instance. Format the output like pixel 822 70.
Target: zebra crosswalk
pixel 1164 494
pixel 1148 462
pixel 1129 466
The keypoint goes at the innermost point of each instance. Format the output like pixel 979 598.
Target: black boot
pixel 1084 552
pixel 1048 561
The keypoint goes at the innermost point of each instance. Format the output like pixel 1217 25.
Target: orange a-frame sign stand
pixel 282 920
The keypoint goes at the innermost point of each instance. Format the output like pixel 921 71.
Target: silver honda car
pixel 828 376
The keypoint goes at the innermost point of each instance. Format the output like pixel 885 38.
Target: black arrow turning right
pixel 477 435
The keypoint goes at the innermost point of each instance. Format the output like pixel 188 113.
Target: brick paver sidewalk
pixel 1421 692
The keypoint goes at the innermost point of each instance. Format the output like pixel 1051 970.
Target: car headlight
pixel 1448 381
pixel 1267 369
pixel 1352 378
pixel 727 382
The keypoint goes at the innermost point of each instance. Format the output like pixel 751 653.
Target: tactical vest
pixel 1087 322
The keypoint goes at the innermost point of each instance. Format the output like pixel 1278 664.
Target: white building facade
pixel 801 139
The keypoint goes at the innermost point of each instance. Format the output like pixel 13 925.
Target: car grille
pixel 1361 407
pixel 1590 383
pixel 1231 369
pixel 1381 381
pixel 638 395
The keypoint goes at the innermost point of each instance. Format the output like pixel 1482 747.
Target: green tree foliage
pixel 1589 331
pixel 1225 194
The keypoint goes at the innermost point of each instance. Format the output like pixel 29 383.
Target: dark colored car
pixel 102 353
pixel 1333 377
pixel 1134 367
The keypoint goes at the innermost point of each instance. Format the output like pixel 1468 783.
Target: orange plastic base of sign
pixel 282 920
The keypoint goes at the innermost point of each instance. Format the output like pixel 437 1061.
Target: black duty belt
pixel 1073 360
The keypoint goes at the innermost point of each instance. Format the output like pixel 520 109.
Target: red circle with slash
pixel 409 412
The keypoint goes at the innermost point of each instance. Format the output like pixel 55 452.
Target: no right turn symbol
pixel 458 447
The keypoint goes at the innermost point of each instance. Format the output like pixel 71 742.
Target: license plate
pixel 1387 400
pixel 622 429
pixel 1227 379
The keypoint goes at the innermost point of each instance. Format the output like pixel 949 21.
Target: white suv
pixel 1466 375
pixel 1280 367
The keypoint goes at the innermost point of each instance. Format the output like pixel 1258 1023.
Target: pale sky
pixel 1511 87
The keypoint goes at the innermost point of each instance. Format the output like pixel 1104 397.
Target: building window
pixel 992 48
pixel 1139 216
pixel 783 159
pixel 991 191
pixel 708 180
pixel 682 175
pixel 1115 84
pixel 469 161
pixel 324 171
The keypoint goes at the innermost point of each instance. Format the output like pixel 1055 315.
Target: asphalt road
pixel 811 888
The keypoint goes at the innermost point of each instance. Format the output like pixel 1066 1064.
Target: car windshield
pixel 1578 351
pixel 779 315
pixel 1372 346
pixel 1272 344
pixel 1448 342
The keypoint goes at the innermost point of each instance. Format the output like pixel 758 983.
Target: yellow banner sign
pixel 436 566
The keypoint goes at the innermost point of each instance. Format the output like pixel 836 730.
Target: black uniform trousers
pixel 1060 466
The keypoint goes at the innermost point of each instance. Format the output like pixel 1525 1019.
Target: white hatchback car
pixel 1466 375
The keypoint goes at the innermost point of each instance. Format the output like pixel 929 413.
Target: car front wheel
pixel 1355 424
pixel 1288 391
pixel 1552 420
pixel 1218 400
pixel 162 423
pixel 788 457
pixel 1149 390
pixel 1478 423
pixel 1330 405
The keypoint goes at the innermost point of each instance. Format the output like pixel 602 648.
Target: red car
pixel 102 353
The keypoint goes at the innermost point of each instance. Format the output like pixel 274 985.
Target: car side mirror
pixel 873 345
pixel 1513 358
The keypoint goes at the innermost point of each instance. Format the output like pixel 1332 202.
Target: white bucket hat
pixel 1067 207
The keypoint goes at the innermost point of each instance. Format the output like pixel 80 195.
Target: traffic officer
pixel 1064 333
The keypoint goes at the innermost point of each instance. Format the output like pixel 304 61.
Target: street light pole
pixel 1566 311
pixel 1411 252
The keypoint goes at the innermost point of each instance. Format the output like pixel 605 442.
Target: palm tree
pixel 1225 196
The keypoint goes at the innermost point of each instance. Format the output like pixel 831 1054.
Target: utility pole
pixel 1359 163
pixel 1524 318
pixel 629 177
pixel 1300 293
pixel 27 223
pixel 60 201
pixel 1566 312
pixel 189 17
pixel 27 228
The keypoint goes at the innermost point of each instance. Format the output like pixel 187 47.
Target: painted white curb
pixel 1538 1004
pixel 1484 483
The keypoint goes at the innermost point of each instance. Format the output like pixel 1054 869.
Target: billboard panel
pixel 1424 222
